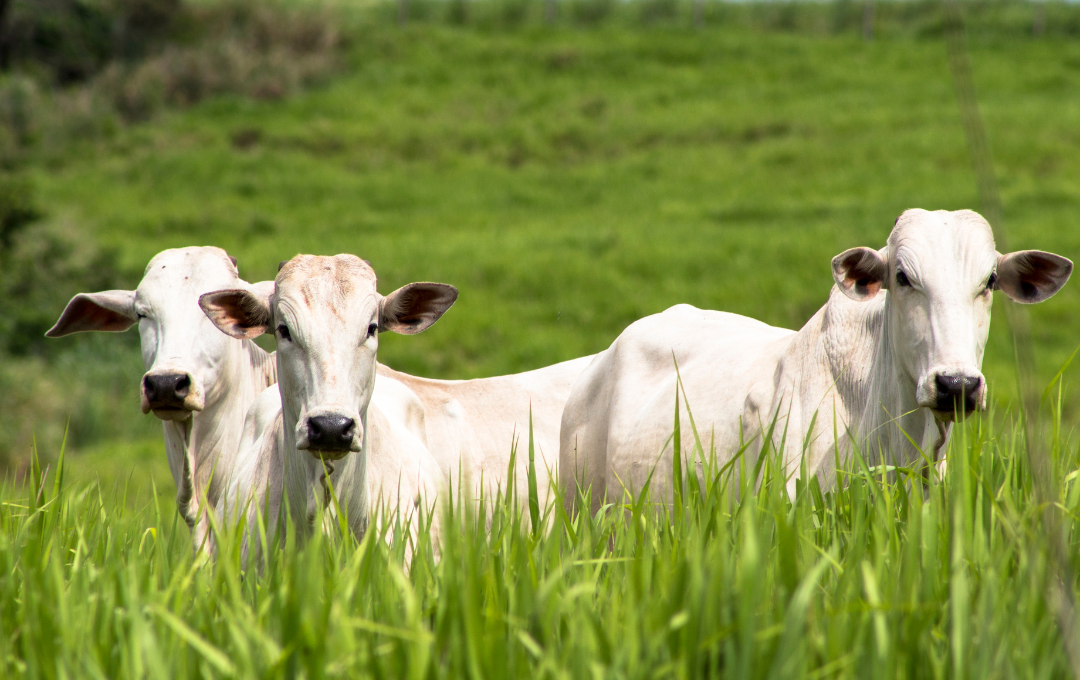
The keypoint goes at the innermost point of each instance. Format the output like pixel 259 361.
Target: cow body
pixel 875 369
pixel 471 426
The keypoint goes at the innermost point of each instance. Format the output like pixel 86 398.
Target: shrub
pixel 71 40
pixel 591 11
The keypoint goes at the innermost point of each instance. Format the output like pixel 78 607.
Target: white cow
pixel 199 382
pixel 471 426
pixel 897 349
pixel 327 316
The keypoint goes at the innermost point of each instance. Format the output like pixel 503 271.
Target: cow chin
pixel 173 414
pixel 325 454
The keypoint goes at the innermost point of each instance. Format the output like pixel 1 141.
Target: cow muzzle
pixel 171 395
pixel 329 435
pixel 949 392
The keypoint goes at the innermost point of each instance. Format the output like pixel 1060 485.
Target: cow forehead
pixel 195 270
pixel 319 284
pixel 322 280
pixel 942 241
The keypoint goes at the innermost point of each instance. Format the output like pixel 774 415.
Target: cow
pixel 199 382
pixel 472 426
pixel 883 368
pixel 320 431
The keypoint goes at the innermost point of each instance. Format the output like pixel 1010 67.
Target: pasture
pixel 568 181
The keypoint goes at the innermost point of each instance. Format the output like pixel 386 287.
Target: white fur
pixel 863 367
pixel 227 374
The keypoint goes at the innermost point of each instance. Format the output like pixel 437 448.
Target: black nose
pixel 166 390
pixel 956 392
pixel 331 433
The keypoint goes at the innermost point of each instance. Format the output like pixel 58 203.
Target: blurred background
pixel 570 165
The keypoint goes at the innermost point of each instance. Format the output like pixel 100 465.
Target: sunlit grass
pixel 881 577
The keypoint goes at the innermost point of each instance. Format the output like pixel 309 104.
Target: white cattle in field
pixel 471 426
pixel 199 382
pixel 327 316
pixel 895 352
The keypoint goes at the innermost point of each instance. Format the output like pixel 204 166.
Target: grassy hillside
pixel 571 181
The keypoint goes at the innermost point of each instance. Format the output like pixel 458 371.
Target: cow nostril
pixel 182 386
pixel 957 385
pixel 166 390
pixel 956 392
pixel 331 432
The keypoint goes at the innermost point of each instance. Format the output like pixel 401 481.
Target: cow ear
pixel 415 307
pixel 860 273
pixel 238 313
pixel 1030 276
pixel 111 311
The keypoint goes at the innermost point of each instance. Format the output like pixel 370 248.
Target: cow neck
pixel 206 442
pixel 877 396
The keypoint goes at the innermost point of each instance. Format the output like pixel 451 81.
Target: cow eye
pixel 372 330
pixel 902 279
pixel 283 332
pixel 992 281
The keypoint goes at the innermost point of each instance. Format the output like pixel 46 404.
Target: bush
pixel 71 40
pixel 40 264
pixel 240 48
pixel 591 11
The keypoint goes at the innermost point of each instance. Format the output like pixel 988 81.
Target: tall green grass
pixel 881 577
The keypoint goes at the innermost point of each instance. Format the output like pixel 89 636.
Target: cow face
pixel 327 317
pixel 182 351
pixel 940 269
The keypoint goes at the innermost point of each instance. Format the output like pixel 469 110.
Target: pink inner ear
pixel 83 315
pixel 866 287
pixel 862 272
pixel 1032 276
pixel 236 312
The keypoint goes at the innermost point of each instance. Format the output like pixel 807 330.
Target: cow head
pixel 182 351
pixel 327 317
pixel 941 269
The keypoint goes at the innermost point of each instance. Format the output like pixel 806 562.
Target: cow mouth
pixel 328 454
pixel 950 415
pixel 171 412
pixel 946 410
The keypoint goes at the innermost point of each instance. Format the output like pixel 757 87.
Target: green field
pixel 571 181
pixel 568 181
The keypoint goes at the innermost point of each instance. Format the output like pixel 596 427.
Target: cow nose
pixel 956 392
pixel 166 390
pixel 331 432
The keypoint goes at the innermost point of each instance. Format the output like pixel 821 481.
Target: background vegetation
pixel 571 167
pixel 569 177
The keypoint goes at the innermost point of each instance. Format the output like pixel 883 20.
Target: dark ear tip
pixel 281 265
pixel 233 260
